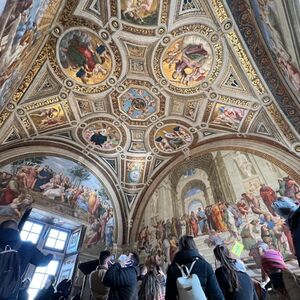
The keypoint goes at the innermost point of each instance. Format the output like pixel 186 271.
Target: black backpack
pixel 10 275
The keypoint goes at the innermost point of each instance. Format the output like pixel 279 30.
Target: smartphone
pixel 113 257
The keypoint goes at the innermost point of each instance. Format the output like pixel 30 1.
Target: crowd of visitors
pixel 188 277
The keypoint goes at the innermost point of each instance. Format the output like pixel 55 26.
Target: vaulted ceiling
pixel 130 85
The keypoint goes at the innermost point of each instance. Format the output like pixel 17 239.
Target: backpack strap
pixel 185 271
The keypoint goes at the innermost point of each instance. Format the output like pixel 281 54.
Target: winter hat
pixel 272 259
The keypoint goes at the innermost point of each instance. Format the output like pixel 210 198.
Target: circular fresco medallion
pixel 187 61
pixel 172 138
pixel 84 57
pixel 103 135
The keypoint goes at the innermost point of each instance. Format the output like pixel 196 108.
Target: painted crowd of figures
pixel 244 220
pixel 29 182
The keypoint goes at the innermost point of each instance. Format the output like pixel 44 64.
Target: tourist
pixel 47 292
pixel 28 252
pixel 283 284
pixel 290 211
pixel 233 280
pixel 151 288
pixel 63 290
pixel 98 289
pixel 122 277
pixel 186 255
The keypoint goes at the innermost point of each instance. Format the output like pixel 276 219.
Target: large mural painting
pixel 279 26
pixel 58 185
pixel 23 25
pixel 226 198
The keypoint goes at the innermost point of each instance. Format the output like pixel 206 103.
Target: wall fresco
pixel 23 25
pixel 59 185
pixel 204 205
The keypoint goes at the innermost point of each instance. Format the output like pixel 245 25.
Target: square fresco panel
pixel 138 12
pixel 227 116
pixel 48 117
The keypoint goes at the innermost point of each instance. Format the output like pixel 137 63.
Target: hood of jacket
pixel 9 236
pixel 186 256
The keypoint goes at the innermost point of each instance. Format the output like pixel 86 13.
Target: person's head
pixel 150 288
pixel 272 262
pixel 222 255
pixel 187 242
pixel 103 257
pixel 134 258
pixel 9 224
pixel 143 269
pixel 64 287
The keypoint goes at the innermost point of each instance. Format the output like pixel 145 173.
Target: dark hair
pixel 103 256
pixel 222 255
pixel 9 224
pixel 187 242
pixel 150 288
pixel 135 258
pixel 64 287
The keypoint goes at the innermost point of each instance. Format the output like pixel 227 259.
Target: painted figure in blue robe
pixel 201 220
pixel 43 177
pixel 109 230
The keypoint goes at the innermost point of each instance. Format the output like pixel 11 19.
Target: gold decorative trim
pixel 281 123
pixel 219 9
pixel 140 31
pixel 247 121
pixel 33 106
pixel 208 110
pixel 4 116
pixel 235 101
pixel 243 58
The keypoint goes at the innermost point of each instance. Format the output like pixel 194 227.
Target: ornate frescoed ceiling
pixel 130 86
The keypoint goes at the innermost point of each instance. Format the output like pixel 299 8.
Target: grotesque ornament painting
pixel 84 57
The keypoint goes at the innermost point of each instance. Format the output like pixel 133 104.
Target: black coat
pixel 201 268
pixel 122 282
pixel 45 294
pixel 28 252
pixel 246 289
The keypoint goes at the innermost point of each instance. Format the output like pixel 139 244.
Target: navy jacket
pixel 122 282
pixel 201 268
pixel 246 289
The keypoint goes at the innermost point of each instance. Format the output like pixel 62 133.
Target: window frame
pixel 52 249
pixel 44 226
